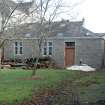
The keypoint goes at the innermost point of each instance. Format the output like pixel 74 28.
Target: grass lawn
pixel 90 86
pixel 13 88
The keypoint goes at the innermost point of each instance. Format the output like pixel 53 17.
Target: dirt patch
pixel 61 95
pixel 31 78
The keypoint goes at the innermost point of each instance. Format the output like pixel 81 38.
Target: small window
pixel 18 48
pixel 21 50
pixel 49 43
pixel 50 51
pixel 16 44
pixel 45 51
pixel 48 48
pixel 21 44
pixel 70 44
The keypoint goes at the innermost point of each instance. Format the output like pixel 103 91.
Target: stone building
pixel 67 43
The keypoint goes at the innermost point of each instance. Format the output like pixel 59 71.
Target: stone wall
pixel 90 50
pixel 30 49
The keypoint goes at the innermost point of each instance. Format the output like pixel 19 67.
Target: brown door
pixel 69 56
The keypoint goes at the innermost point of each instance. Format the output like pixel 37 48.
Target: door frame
pixel 65 53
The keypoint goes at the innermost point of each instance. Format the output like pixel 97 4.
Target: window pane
pixel 45 51
pixel 50 51
pixel 21 50
pixel 70 44
pixel 49 43
pixel 16 43
pixel 18 48
pixel 20 43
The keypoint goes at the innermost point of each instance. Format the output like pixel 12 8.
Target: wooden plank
pixel 69 56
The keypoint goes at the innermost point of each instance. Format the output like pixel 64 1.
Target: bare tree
pixel 48 11
pixel 45 12
pixel 12 14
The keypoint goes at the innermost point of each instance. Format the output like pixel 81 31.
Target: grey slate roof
pixel 59 28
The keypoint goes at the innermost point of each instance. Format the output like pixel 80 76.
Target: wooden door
pixel 69 56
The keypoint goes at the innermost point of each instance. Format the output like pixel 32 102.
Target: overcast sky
pixel 93 12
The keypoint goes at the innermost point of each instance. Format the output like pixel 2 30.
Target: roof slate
pixel 56 29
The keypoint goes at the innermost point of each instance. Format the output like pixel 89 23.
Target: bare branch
pixel 6 21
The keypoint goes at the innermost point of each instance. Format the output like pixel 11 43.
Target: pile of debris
pixel 82 67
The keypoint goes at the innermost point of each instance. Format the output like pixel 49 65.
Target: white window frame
pixel 18 47
pixel 47 47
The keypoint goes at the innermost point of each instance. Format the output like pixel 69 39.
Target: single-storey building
pixel 68 44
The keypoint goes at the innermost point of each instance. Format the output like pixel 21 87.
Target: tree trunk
pixel 0 57
pixel 37 61
pixel 34 70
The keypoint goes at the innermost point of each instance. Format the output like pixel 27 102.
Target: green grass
pixel 12 88
pixel 90 86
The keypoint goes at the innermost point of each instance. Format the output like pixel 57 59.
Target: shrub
pixel 12 61
pixel 42 62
